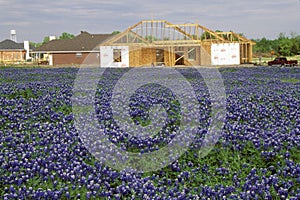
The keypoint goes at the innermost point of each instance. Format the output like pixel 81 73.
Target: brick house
pixel 12 52
pixel 78 50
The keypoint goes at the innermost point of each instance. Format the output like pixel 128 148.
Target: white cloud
pixel 255 18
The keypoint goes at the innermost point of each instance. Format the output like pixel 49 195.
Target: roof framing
pixel 231 36
pixel 163 33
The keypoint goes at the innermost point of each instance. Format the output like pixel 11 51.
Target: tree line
pixel 46 39
pixel 283 45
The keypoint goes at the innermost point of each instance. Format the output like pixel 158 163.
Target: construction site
pixel 159 42
pixel 147 43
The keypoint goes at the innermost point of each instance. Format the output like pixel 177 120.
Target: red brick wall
pixel 71 58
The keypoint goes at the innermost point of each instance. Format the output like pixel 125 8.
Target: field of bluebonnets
pixel 257 157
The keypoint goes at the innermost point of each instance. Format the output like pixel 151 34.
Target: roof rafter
pixel 162 32
pixel 236 35
pixel 120 35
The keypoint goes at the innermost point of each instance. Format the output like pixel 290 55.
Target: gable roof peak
pixel 82 42
pixel 12 45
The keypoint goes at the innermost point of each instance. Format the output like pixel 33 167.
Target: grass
pixel 290 80
pixel 3 66
pixel 5 80
pixel 27 93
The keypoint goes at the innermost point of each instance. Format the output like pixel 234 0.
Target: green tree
pixel 66 35
pixel 150 38
pixel 115 32
pixel 275 45
pixel 282 45
pixel 263 45
pixel 46 39
pixel 285 45
pixel 206 35
pixel 295 48
pixel 33 44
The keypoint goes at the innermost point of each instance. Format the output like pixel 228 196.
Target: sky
pixel 35 19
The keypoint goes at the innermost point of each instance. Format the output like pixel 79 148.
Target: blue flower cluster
pixel 257 156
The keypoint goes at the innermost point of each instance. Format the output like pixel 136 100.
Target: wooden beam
pixel 120 35
pixel 139 37
pixel 145 21
pixel 178 29
pixel 211 32
pixel 199 26
pixel 179 58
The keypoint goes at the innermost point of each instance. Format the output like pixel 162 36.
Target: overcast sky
pixel 34 19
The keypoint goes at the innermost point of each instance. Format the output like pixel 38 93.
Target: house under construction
pixel 159 42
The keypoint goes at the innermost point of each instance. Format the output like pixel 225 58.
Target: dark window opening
pixel 179 59
pixel 117 55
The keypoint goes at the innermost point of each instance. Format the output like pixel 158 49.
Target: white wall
pixel 27 48
pixel 52 37
pixel 106 56
pixel 225 54
pixel 50 59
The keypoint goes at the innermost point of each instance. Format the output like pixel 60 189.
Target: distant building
pixel 72 51
pixel 159 42
pixel 13 53
pixel 150 43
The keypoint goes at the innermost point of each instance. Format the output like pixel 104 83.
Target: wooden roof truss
pixel 163 33
pixel 235 37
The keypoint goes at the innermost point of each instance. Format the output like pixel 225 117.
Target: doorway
pixel 160 58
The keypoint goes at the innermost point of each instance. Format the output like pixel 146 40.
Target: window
pixel 192 54
pixel 117 55
pixel 78 55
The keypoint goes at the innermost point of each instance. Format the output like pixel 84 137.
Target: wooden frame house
pixel 159 42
